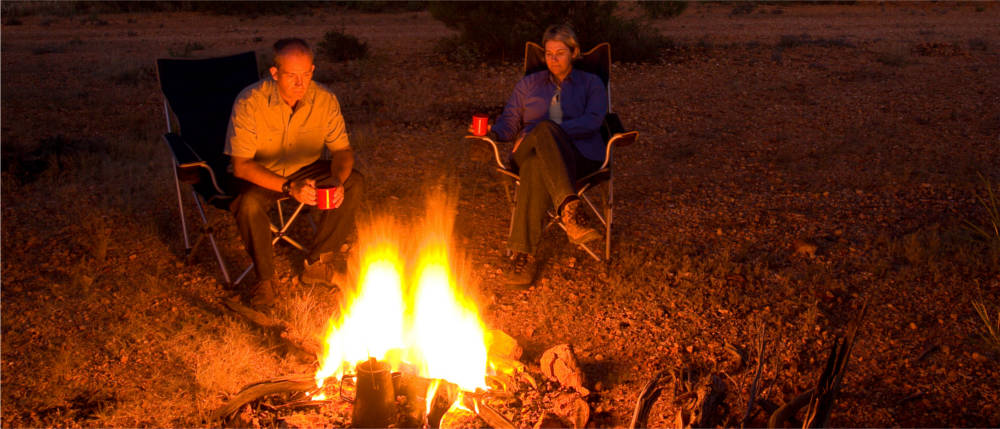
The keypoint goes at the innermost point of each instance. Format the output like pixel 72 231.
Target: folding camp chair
pixel 598 62
pixel 199 94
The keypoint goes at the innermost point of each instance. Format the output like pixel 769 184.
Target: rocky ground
pixel 795 162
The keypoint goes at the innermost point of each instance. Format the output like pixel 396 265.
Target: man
pixel 278 132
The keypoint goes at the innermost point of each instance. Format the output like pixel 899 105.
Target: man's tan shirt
pixel 266 129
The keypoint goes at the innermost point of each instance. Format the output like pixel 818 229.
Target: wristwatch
pixel 286 188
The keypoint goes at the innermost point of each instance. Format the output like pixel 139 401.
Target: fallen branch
pixel 253 392
pixel 647 397
pixel 273 326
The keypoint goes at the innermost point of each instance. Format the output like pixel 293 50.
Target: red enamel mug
pixel 480 124
pixel 324 197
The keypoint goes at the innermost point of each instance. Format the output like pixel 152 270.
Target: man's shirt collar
pixel 274 98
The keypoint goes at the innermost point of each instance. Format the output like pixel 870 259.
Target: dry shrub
pixel 498 31
pixel 338 46
pixel 990 329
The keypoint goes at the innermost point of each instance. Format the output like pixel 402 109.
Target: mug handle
pixel 341 388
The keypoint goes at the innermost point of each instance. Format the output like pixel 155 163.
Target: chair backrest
pixel 201 92
pixel 597 61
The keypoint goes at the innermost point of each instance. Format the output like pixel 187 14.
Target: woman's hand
pixel 473 130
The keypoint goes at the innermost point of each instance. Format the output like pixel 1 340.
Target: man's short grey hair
pixel 565 34
pixel 291 45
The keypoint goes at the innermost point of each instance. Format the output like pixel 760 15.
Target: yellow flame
pixel 413 315
pixel 447 332
pixel 372 324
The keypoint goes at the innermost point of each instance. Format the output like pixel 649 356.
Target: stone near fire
pixel 572 408
pixel 559 364
pixel 550 420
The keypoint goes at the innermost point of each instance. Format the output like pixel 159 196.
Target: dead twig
pixel 759 345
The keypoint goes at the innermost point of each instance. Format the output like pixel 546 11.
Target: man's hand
pixel 304 191
pixel 337 198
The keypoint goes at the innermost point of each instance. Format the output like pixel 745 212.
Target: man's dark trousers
pixel 253 202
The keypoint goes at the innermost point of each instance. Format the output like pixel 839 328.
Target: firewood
pixel 253 392
pixel 491 416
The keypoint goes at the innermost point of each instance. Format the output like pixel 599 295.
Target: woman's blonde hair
pixel 562 33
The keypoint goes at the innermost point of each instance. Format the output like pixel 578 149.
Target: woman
pixel 554 116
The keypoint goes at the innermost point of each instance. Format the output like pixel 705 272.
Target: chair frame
pixel 190 169
pixel 616 137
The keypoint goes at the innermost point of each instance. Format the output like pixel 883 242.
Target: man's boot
pixel 321 272
pixel 574 220
pixel 262 295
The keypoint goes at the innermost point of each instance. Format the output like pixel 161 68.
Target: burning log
pixel 461 418
pixel 492 416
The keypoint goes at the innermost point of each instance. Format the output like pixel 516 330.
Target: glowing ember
pixel 408 311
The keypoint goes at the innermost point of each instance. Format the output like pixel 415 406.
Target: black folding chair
pixel 198 95
pixel 598 62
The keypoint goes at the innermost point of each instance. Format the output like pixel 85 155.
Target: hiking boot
pixel 262 295
pixel 521 272
pixel 320 273
pixel 574 221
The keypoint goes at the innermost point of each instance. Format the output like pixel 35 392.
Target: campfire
pixel 407 348
pixel 407 318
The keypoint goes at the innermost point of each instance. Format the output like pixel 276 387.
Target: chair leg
pixel 609 215
pixel 513 209
pixel 243 274
pixel 180 206
pixel 280 233
pixel 211 237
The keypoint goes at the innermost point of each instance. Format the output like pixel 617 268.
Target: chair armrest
pixel 496 150
pixel 616 135
pixel 191 169
pixel 184 155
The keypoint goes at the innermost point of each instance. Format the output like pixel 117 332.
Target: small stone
pixel 913 326
pixel 978 357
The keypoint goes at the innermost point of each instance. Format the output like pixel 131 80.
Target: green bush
pixel 498 31
pixel 338 46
